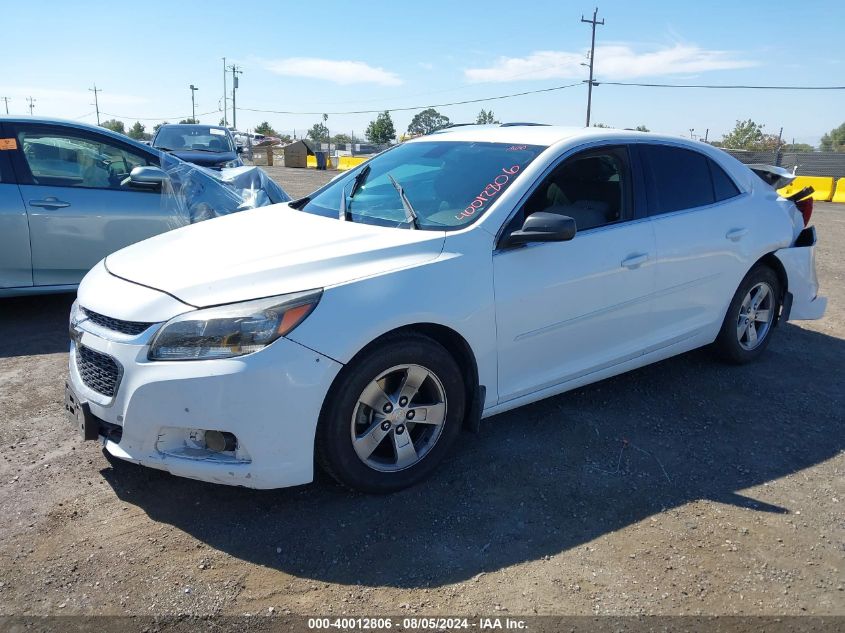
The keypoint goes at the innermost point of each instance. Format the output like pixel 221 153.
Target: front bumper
pixel 270 400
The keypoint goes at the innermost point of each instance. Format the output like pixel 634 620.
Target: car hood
pixel 206 159
pixel 268 251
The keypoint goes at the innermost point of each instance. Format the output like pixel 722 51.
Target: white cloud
pixel 618 61
pixel 338 71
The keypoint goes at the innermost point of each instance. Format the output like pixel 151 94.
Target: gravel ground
pixel 687 487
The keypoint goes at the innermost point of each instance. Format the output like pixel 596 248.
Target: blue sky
pixel 333 56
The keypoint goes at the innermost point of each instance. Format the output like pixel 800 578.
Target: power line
pixel 718 86
pixel 494 98
pixel 420 107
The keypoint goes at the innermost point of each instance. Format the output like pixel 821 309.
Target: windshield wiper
pixel 410 215
pixel 360 177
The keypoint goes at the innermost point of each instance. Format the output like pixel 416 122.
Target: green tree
pixel 158 125
pixel 381 130
pixel 601 125
pixel 266 129
pixel 485 117
pixel 642 128
pixel 188 121
pixel 285 138
pixel 222 121
pixel 834 141
pixel 318 132
pixel 342 138
pixel 114 125
pixel 749 135
pixel 137 131
pixel 427 121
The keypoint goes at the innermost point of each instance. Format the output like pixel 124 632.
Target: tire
pixel 735 344
pixel 367 422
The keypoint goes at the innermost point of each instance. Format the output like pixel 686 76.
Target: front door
pixel 567 309
pixel 15 262
pixel 78 205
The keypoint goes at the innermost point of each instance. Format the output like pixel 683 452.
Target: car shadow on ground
pixel 34 325
pixel 541 479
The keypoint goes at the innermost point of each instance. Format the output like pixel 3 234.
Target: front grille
pixel 124 327
pixel 98 371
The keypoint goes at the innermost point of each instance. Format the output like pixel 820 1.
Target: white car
pixel 451 278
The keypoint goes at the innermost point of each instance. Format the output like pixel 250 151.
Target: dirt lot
pixel 687 487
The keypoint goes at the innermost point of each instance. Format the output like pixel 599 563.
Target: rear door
pixel 78 208
pixel 701 225
pixel 15 260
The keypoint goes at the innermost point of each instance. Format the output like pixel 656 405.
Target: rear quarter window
pixel 723 187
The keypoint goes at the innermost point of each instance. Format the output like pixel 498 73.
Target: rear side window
pixel 678 178
pixel 723 186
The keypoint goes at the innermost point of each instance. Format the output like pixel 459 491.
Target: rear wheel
pixel 391 415
pixel 752 314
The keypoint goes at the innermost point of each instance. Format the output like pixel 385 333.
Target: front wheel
pixel 391 415
pixel 752 314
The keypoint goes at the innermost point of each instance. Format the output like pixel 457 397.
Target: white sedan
pixel 451 278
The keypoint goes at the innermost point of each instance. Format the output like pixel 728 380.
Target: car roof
pixel 546 135
pixel 74 124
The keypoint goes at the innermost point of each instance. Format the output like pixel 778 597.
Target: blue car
pixel 72 193
pixel 204 145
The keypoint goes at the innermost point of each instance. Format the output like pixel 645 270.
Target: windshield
pixel 193 137
pixel 448 183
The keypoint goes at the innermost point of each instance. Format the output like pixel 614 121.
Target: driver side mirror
pixel 240 149
pixel 543 226
pixel 147 177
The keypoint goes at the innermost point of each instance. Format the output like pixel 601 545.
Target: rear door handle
pixel 635 261
pixel 49 203
pixel 734 235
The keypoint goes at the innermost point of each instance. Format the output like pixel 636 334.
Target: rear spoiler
pixel 776 177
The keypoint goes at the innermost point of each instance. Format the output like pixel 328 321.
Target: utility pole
pixel 193 104
pixel 31 104
pixel 225 108
pixel 706 134
pixel 691 135
pixel 96 103
pixel 592 22
pixel 6 99
pixel 235 72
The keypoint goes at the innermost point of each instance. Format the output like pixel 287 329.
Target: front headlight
pixel 231 330
pixel 232 163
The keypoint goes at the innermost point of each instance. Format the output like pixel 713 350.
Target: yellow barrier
pixel 839 193
pixel 822 185
pixel 349 162
pixel 311 162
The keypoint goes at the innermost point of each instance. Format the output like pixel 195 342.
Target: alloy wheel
pixel 398 418
pixel 756 315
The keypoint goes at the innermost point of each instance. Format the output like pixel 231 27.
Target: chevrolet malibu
pixel 451 278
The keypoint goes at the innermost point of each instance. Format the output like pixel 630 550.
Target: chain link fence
pixel 804 163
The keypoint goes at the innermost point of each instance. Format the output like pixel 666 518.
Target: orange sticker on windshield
pixel 8 143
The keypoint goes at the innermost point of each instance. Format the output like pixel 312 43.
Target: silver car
pixel 71 193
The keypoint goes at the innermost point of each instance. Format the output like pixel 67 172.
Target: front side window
pixel 200 138
pixel 678 178
pixel 67 160
pixel 448 184
pixel 591 187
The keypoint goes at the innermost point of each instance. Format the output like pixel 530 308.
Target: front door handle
pixel 635 261
pixel 734 235
pixel 49 203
